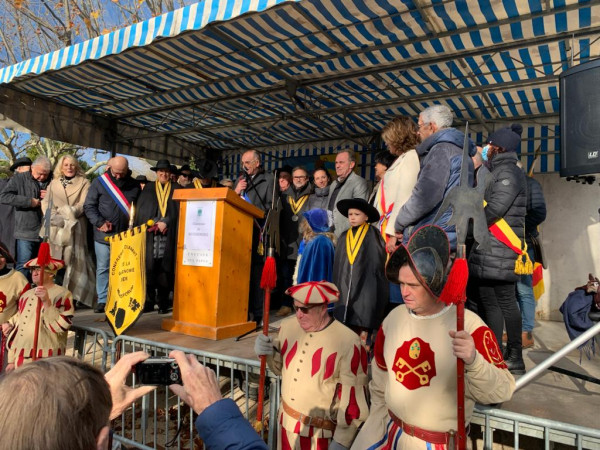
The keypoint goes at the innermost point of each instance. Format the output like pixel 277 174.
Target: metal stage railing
pixel 152 421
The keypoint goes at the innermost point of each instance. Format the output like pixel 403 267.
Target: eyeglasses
pixel 304 309
pixel 300 177
pixel 422 125
pixel 186 175
pixel 249 162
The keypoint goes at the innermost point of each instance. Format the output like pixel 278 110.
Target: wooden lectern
pixel 211 289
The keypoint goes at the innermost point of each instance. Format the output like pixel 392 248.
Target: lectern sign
pixel 199 237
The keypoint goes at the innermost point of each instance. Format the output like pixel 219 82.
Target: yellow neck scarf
pixel 354 241
pixel 162 195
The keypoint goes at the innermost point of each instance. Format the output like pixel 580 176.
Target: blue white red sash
pixel 115 193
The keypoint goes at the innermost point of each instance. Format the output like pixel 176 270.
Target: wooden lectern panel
pixel 212 302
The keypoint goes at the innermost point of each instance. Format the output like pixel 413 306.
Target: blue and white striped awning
pixel 223 75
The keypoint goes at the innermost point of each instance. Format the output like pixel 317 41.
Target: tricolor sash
pixel 502 231
pixel 115 193
pixel 385 216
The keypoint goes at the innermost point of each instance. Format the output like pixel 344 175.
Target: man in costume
pixel 359 269
pixel 12 285
pixel 294 203
pixel 156 203
pixel 256 187
pixel 107 206
pixel 414 384
pixel 205 175
pixel 56 314
pixel 347 185
pixel 323 369
pixel 25 191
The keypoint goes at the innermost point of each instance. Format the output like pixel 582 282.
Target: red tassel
pixel 268 280
pixel 43 258
pixel 454 291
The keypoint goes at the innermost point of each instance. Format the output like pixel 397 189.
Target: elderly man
pixel 107 207
pixel 55 317
pixel 323 369
pixel 7 212
pixel 440 155
pixel 413 387
pixel 156 203
pixel 25 191
pixel 294 202
pixel 256 187
pixel 347 185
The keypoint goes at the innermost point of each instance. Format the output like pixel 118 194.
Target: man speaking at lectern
pixel 256 187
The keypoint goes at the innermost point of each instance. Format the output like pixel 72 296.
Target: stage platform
pixel 552 396
pixel 149 327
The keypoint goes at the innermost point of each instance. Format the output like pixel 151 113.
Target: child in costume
pixel 359 269
pixel 56 313
pixel 317 249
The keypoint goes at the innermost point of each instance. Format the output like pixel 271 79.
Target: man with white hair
pixel 440 156
pixel 25 191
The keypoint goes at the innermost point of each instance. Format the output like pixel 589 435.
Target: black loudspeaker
pixel 580 120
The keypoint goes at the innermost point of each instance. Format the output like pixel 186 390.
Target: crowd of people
pixel 360 273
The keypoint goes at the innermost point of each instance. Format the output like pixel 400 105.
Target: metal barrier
pixel 91 345
pixel 548 431
pixel 155 421
pixel 161 414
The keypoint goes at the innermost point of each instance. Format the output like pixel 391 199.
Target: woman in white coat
pixel 400 137
pixel 68 230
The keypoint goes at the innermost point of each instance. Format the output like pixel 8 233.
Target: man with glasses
pixel 25 191
pixel 107 207
pixel 294 202
pixel 440 156
pixel 323 369
pixel 256 187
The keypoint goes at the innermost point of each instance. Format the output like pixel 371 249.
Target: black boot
pixel 513 356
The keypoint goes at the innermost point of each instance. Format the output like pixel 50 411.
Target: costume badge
pixel 414 364
pixel 485 343
pixel 2 301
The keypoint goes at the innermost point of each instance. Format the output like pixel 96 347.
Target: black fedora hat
pixel 205 168
pixel 362 205
pixel 141 178
pixel 19 162
pixel 162 164
pixel 427 253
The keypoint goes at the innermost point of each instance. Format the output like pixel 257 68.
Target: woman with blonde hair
pixel 68 229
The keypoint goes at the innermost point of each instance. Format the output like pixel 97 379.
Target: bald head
pixel 118 166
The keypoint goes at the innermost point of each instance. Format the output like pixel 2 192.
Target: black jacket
pixel 536 208
pixel 506 196
pixel 18 192
pixel 290 236
pixel 260 191
pixel 100 207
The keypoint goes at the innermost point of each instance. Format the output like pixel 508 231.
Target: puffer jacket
pixel 440 156
pixel 506 197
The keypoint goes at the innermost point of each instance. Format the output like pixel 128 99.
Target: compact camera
pixel 158 371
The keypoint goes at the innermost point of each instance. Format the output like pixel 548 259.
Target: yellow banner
pixel 127 278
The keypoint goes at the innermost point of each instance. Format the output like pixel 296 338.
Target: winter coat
pixel 536 208
pixel 354 186
pixel 99 206
pixel 506 197
pixel 19 192
pixel 260 191
pixel 318 199
pixel 440 156
pixel 290 237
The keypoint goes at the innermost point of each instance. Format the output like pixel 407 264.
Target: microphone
pixel 245 176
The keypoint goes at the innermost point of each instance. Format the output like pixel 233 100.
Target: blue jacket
pixel 222 426
pixel 440 156
pixel 99 206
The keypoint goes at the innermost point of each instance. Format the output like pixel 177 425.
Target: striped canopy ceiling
pixel 233 74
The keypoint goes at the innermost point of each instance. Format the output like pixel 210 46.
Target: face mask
pixel 484 152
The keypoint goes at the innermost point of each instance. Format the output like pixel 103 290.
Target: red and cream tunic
pixel 54 323
pixel 12 285
pixel 414 376
pixel 324 374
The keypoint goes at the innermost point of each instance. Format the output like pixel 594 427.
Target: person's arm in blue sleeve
pixel 222 426
pixel 220 423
